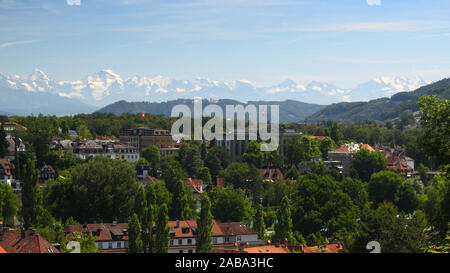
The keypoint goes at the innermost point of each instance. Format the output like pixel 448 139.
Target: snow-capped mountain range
pixel 105 87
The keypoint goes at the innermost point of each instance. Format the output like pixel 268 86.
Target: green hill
pixel 381 109
pixel 290 110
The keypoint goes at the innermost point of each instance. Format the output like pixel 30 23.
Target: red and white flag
pixel 142 115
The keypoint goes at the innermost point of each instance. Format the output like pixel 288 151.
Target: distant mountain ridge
pixel 384 108
pixel 290 111
pixel 20 102
pixel 106 87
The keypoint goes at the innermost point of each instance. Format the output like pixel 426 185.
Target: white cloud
pixel 74 2
pixel 373 2
pixel 8 44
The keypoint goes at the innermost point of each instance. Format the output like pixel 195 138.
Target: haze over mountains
pixel 105 87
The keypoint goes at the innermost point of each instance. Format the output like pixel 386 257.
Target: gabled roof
pixel 14 241
pixel 271 174
pixel 196 184
pixel 2 250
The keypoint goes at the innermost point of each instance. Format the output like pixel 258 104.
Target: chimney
pixel 178 224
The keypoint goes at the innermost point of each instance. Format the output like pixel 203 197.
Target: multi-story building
pixel 112 150
pixel 113 237
pixel 10 127
pixel 6 171
pixel 47 172
pixel 225 235
pixel 345 153
pixel 109 237
pixel 141 137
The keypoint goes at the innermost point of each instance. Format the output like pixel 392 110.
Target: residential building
pixel 10 127
pixel 141 137
pixel 47 172
pixel 270 174
pixel 109 237
pixel 112 150
pixel 225 235
pixel 13 241
pixel 12 147
pixel 345 154
pixel 6 171
pixel 113 237
pixel 198 188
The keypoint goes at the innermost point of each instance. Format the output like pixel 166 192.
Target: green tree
pixel 259 221
pixel 283 227
pixel 140 203
pixel 229 205
pixel 320 205
pixel 390 186
pixel 435 119
pixel 31 195
pixel 152 155
pixel 204 175
pixel 4 144
pixel 87 242
pixel 253 154
pixel 180 208
pixel 8 203
pixel 101 189
pixel 366 163
pixel 204 225
pixel 147 229
pixel 292 173
pixel 395 232
pixel 162 235
pixel 135 244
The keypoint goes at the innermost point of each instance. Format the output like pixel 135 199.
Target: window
pixel 119 244
pixel 181 251
pixel 191 251
pixel 180 242
pixel 189 242
pixel 110 245
pixel 239 238
pixel 227 239
pixel 171 242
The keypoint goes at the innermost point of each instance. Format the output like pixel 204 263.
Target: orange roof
pixel 331 248
pixel 2 250
pixel 317 137
pixel 196 184
pixel 267 249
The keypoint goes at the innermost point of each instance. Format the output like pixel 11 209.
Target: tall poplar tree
pixel 147 229
pixel 283 228
pixel 31 195
pixel 260 226
pixel 204 226
pixel 162 235
pixel 135 244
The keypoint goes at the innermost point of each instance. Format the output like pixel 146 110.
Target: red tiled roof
pixel 271 174
pixel 101 233
pixel 17 242
pixel 236 228
pixel 2 250
pixel 196 184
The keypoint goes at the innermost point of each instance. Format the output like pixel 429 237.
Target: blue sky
pixel 265 41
